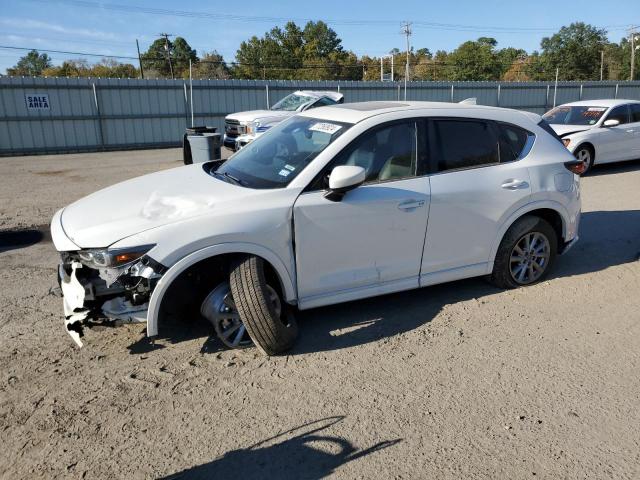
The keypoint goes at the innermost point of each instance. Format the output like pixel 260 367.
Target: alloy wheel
pixel 530 258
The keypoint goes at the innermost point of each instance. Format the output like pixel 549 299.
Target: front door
pixel 374 237
pixel 616 143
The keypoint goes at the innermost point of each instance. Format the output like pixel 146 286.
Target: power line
pixel 272 19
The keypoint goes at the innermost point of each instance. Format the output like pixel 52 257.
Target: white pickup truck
pixel 243 127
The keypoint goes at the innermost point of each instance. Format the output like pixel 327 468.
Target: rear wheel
pixel 526 253
pixel 267 318
pixel 585 154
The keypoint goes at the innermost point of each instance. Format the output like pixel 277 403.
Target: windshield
pixel 574 115
pixel 277 157
pixel 291 102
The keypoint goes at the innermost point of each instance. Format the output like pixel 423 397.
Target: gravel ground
pixel 453 381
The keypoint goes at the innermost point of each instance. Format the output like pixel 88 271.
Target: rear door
pixel 374 236
pixel 477 181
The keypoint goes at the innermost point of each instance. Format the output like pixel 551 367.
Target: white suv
pixel 332 205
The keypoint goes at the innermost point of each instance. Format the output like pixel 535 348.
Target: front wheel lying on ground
pixel 526 253
pixel 266 316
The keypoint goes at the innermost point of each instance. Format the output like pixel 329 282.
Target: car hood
pixel 146 202
pixel 253 115
pixel 563 130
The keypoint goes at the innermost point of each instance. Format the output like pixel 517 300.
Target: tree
pixel 32 64
pixel 474 61
pixel 211 65
pixel 106 68
pixel 313 52
pixel 575 50
pixel 110 68
pixel 319 40
pixel 156 58
pixel 78 67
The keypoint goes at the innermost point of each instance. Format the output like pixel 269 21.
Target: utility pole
pixel 632 34
pixel 406 30
pixel 555 88
pixel 140 60
pixel 168 49
pixel 601 64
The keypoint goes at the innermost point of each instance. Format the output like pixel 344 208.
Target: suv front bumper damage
pixel 112 296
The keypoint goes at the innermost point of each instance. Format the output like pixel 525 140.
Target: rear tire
pixel 526 253
pixel 268 320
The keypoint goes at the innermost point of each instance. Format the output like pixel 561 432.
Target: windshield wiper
pixel 228 177
pixel 234 179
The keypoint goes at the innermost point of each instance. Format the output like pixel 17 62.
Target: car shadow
pixel 607 239
pixel 612 168
pixel 22 238
pixel 301 453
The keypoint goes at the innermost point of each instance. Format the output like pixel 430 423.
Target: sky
pixel 111 27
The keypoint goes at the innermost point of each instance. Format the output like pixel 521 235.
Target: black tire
pixel 502 275
pixel 272 333
pixel 587 155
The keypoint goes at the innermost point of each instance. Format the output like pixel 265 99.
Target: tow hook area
pixel 113 296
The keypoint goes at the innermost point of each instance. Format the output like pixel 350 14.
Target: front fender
pixel 286 278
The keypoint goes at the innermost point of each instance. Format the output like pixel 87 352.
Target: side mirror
pixel 343 179
pixel 611 123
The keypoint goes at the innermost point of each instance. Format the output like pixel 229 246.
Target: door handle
pixel 631 130
pixel 514 184
pixel 411 204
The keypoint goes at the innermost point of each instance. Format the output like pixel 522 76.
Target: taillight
pixel 576 166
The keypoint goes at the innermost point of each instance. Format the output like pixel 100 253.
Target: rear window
pixel 479 145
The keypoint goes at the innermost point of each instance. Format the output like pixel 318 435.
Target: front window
pixel 278 156
pixel 574 115
pixel 292 102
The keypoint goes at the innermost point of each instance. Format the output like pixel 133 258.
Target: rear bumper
pixel 568 245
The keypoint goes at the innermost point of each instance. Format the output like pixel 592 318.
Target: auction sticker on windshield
pixel 329 128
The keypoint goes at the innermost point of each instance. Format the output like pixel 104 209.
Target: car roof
pixel 356 112
pixel 603 102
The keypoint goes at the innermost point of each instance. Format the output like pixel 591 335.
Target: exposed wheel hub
pixel 220 309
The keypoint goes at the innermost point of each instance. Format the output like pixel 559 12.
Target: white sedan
pixel 598 131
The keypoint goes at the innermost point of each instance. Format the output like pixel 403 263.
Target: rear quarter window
pixel 513 142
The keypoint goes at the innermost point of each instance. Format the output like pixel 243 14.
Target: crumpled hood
pixel 263 115
pixel 569 129
pixel 146 202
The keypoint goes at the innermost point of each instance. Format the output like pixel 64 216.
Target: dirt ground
pixel 453 381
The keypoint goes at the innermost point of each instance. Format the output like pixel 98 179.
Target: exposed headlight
pixel 111 258
pixel 566 141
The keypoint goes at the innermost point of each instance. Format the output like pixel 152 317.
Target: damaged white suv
pixel 332 205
